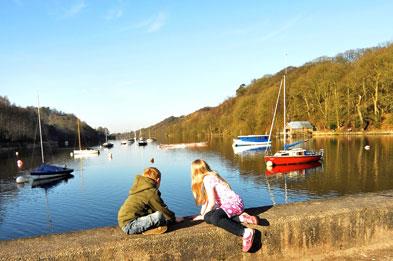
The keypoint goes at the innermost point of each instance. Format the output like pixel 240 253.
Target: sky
pixel 127 65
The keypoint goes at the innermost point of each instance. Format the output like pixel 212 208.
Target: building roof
pixel 300 125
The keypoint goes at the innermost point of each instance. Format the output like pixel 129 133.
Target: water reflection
pixel 244 150
pixel 50 183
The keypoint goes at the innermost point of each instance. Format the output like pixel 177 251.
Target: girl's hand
pixel 199 217
pixel 179 219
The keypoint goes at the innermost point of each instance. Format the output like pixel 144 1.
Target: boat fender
pixel 269 163
pixel 21 179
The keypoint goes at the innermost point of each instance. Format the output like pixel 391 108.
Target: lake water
pixel 92 197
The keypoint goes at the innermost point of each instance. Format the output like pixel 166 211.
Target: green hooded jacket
pixel 144 198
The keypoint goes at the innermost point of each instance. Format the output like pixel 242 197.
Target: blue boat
pixel 249 140
pixel 47 170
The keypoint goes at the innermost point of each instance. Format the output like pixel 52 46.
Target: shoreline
pixel 355 133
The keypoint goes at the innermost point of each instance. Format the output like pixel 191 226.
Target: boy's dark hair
pixel 152 173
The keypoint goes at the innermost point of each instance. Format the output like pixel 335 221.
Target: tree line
pixel 20 126
pixel 353 90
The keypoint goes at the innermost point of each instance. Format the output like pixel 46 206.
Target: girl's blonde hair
pixel 199 169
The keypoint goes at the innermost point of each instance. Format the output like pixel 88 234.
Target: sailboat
pixel 84 152
pixel 252 140
pixel 107 144
pixel 141 141
pixel 150 139
pixel 47 170
pixel 289 156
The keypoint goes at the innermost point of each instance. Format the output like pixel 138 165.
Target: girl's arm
pixel 203 208
pixel 211 200
pixel 203 211
pixel 209 204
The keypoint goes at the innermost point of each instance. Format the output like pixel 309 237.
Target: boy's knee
pixel 159 217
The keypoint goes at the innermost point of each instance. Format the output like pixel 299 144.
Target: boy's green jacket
pixel 144 198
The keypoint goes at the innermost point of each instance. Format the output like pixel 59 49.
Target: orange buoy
pixel 19 163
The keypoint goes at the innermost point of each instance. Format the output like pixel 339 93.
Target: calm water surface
pixel 92 197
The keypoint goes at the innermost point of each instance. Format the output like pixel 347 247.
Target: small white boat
pixel 183 145
pixel 142 142
pixel 84 152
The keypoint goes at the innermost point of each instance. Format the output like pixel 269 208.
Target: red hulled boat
pixel 293 156
pixel 283 169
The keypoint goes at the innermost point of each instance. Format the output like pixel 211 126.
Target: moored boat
pixel 283 169
pixel 293 156
pixel 107 145
pixel 142 142
pixel 47 170
pixel 250 140
pixel 289 156
pixel 183 145
pixel 84 152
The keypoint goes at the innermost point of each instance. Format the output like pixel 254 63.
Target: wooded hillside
pixel 20 125
pixel 352 90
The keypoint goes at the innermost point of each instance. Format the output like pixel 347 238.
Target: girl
pixel 221 206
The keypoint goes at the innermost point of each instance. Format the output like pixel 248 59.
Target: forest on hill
pixel 353 90
pixel 20 126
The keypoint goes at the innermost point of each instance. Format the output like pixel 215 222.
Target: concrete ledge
pixel 293 231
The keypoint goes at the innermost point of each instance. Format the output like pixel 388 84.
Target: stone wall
pixel 292 231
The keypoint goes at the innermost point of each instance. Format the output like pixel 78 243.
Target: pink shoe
pixel 247 241
pixel 250 219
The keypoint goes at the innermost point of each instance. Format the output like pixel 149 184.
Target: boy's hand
pixel 199 217
pixel 179 219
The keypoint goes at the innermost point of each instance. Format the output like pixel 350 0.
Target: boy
pixel 144 211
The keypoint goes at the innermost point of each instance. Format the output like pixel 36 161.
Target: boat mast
pixel 285 105
pixel 79 137
pixel 275 111
pixel 285 112
pixel 39 125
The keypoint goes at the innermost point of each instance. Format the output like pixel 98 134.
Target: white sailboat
pixel 84 152
pixel 150 139
pixel 141 141
pixel 107 144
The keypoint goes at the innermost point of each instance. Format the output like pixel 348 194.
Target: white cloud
pixel 155 23
pixel 75 8
pixel 282 29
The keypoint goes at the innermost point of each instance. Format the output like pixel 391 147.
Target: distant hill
pixel 20 125
pixel 351 90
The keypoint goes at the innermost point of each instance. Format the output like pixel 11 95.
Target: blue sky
pixel 130 64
